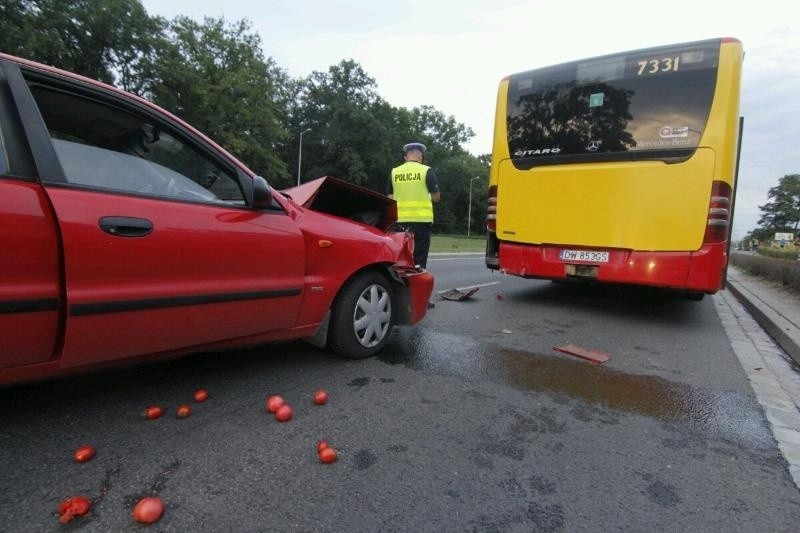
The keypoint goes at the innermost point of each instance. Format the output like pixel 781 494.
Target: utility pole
pixel 469 207
pixel 300 154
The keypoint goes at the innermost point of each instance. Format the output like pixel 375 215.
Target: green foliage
pixel 787 273
pixel 458 243
pixel 214 75
pixel 759 234
pixel 782 210
pixel 778 253
pixel 350 135
pixel 107 40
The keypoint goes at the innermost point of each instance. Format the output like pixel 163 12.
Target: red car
pixel 128 235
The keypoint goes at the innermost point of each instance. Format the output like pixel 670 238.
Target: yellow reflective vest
pixel 410 191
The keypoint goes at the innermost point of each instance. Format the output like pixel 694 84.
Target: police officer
pixel 414 187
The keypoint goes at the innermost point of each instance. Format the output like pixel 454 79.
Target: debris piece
pixel 596 356
pixel 506 331
pixel 457 295
pixel 758 368
pixel 499 296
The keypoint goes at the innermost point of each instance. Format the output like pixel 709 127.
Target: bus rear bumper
pixel 699 271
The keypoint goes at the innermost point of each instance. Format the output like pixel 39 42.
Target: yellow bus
pixel 619 169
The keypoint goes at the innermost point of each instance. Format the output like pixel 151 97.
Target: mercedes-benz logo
pixel 593 146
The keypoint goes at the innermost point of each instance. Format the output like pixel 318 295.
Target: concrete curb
pixel 784 332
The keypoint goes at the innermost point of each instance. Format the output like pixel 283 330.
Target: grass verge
pixel 457 243
pixel 784 271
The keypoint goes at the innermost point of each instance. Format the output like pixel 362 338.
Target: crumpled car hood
pixel 347 200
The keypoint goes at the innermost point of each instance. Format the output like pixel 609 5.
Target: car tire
pixel 362 316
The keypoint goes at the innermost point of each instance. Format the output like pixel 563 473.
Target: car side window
pixel 105 147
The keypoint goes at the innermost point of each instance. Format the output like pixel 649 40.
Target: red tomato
pixel 72 507
pixel 284 413
pixel 320 397
pixel 148 510
pixel 321 445
pixel 153 412
pixel 200 395
pixel 273 402
pixel 327 455
pixel 184 411
pixel 84 453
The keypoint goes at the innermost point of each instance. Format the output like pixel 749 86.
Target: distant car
pixel 127 235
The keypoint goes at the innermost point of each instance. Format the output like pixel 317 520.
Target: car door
pixel 30 290
pixel 161 251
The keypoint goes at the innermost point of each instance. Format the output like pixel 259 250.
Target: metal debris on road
pixel 596 356
pixel 457 295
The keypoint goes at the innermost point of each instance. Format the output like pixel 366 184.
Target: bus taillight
pixel 719 213
pixel 491 210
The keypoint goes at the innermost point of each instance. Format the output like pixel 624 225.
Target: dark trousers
pixel 422 240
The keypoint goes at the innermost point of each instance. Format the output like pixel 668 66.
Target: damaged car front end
pixel 382 287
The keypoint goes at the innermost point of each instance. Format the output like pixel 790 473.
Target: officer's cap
pixel 414 146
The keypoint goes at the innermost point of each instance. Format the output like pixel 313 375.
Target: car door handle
pixel 126 226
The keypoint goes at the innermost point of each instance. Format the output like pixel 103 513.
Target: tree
pixel 782 210
pixel 352 126
pixel 455 174
pixel 102 39
pixel 214 75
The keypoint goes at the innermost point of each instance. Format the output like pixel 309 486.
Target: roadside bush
pixel 783 271
pixel 779 253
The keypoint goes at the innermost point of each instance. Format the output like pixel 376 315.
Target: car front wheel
pixel 362 316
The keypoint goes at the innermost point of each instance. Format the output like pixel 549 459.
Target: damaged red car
pixel 129 236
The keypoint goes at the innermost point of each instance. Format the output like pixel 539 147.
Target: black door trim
pixel 48 167
pixel 176 301
pixel 28 306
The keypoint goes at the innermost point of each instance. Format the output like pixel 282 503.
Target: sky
pixel 452 54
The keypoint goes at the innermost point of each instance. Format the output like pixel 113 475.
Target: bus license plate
pixel 584 255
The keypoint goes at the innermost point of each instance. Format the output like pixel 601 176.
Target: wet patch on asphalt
pixel 601 390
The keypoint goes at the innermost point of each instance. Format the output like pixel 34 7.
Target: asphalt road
pixel 469 421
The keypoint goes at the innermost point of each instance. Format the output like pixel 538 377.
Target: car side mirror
pixel 262 195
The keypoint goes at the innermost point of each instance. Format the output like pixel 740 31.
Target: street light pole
pixel 300 153
pixel 469 206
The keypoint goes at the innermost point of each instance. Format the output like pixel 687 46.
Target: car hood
pixel 340 198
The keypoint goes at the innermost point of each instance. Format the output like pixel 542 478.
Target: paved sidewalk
pixel 775 309
pixel 772 374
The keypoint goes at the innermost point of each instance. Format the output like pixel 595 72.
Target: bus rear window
pixel 649 104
